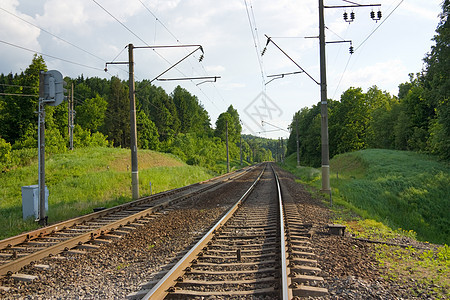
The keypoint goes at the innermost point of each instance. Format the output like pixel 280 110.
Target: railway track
pixel 258 249
pixel 89 232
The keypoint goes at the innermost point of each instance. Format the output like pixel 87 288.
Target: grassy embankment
pixel 397 188
pixel 384 194
pixel 83 179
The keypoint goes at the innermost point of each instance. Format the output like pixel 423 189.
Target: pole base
pixel 44 221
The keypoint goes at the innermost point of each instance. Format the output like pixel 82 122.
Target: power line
pixel 48 32
pixel 384 20
pixel 15 85
pixel 255 41
pixel 157 19
pixel 161 56
pixel 131 31
pixel 342 76
pixel 20 95
pixel 48 55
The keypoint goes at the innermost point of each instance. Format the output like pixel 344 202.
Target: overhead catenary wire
pixel 362 43
pixel 201 63
pixel 381 23
pixel 121 23
pixel 16 85
pixel 153 49
pixel 54 35
pixel 52 56
pixel 255 41
pixel 20 95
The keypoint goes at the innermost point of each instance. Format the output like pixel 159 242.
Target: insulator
pixel 379 14
pixel 264 51
pixel 345 16
pixel 351 50
pixel 372 14
pixel 352 16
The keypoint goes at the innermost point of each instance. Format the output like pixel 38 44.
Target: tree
pixel 383 110
pixel 117 118
pixel 193 117
pixel 237 128
pixel 91 114
pixel 437 82
pixel 17 113
pixel 148 137
pixel 349 120
pixel 223 121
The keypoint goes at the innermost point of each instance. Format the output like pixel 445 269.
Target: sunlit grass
pixel 83 179
pixel 386 196
pixel 398 188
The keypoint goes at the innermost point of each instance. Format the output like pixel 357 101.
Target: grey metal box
pixel 30 201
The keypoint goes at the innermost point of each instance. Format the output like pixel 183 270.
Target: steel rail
pixel 16 264
pixel 39 233
pixel 286 292
pixel 160 290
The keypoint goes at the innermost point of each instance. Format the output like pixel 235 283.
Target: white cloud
pixel 215 69
pixel 419 11
pixel 17 32
pixel 386 75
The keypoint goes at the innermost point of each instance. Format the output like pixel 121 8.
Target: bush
pixel 5 154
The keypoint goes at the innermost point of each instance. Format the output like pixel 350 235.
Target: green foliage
pixel 348 122
pixel 17 113
pixel 404 189
pixel 5 154
pixel 400 189
pixel 257 149
pixel 91 114
pixel 193 117
pixel 147 133
pixel 84 138
pixel 117 118
pixel 85 178
pixel 418 120
pixel 428 268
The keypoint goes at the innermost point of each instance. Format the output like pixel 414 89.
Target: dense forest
pixel 418 119
pixel 175 123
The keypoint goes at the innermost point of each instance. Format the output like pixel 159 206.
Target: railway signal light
pixel 54 88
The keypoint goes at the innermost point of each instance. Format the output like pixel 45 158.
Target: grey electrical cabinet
pixel 30 201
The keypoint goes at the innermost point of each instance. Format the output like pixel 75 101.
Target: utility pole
pixel 323 101
pixel 323 85
pixel 228 156
pixel 41 152
pixel 71 120
pixel 298 146
pixel 133 131
pixel 240 146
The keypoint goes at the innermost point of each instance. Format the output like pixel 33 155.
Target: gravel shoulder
pixel 349 266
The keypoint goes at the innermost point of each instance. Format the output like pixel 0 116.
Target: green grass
pixel 386 195
pixel 83 179
pixel 397 188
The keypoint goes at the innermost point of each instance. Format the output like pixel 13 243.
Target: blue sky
pixel 232 33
